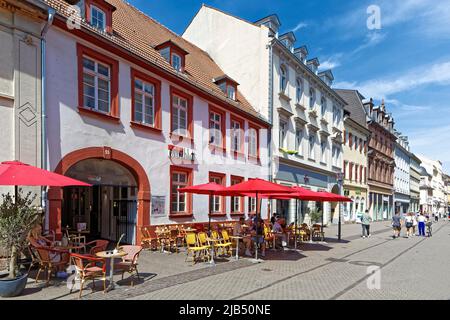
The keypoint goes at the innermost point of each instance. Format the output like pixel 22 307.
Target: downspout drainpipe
pixel 270 114
pixel 50 15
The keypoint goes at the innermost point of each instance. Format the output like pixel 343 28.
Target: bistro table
pixel 190 229
pixel 110 254
pixel 237 238
pixel 212 241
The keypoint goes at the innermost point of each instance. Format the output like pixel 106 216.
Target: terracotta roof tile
pixel 139 33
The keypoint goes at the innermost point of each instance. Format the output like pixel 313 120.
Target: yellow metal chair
pixel 193 245
pixel 225 244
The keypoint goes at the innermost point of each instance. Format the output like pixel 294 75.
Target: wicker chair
pixel 50 260
pixel 129 262
pixel 88 268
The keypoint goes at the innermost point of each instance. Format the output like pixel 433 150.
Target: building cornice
pixel 308 73
pixel 355 125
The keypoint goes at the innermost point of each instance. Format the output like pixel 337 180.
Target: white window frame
pixel 323 150
pixel 283 79
pixel 299 140
pixel 231 92
pixel 283 130
pixel 311 138
pixel 252 204
pixel 323 106
pixel 298 90
pixel 93 7
pixel 179 195
pixel 216 205
pixel 236 136
pixel 178 108
pixel 144 94
pixel 312 98
pixel 213 130
pixel 94 73
pixel 175 55
pixel 252 142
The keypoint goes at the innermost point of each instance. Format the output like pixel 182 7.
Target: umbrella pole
pixel 256 228
pixel 16 193
pixel 295 229
pixel 209 216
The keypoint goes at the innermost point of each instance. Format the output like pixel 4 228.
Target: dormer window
pixel 176 62
pixel 98 18
pixel 227 86
pixel 231 92
pixel 98 13
pixel 173 54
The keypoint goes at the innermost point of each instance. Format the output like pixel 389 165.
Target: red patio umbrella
pixel 210 189
pixel 16 173
pixel 255 188
pixel 332 197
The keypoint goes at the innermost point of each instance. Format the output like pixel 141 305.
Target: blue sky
pixel 406 61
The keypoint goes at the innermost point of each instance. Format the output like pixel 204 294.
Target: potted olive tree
pixel 17 218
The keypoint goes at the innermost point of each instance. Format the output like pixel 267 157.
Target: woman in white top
pixel 408 224
pixel 414 224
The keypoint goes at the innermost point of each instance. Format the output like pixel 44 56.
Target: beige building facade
pixel 22 26
pixel 356 137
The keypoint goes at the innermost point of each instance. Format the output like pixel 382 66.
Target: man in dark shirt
pixel 396 225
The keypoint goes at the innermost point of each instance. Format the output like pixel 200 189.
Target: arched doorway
pixel 120 194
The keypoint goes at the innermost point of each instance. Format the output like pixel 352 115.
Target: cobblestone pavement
pixel 410 268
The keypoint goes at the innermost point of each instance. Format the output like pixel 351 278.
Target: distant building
pixel 426 191
pixel 439 198
pixel 290 91
pixel 402 185
pixel 356 139
pixel 414 184
pixel 381 161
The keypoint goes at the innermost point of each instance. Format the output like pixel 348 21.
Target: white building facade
pixel 135 123
pixel 436 199
pixel 402 177
pixel 305 113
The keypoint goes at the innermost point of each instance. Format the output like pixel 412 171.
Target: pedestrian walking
pixel 408 224
pixel 365 223
pixel 396 225
pixel 421 222
pixel 414 216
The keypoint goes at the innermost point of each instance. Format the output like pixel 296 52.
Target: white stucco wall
pixel 239 48
pixel 69 131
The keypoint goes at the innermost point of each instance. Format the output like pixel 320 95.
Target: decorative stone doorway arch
pixel 55 194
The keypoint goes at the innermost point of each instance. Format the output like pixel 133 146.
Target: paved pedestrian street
pixel 409 268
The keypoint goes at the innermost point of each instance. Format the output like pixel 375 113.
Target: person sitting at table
pixel 240 231
pixel 257 228
pixel 36 236
pixel 278 230
pixel 36 239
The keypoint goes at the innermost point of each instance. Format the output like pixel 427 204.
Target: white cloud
pixel 437 74
pixel 432 142
pixel 332 62
pixel 299 26
pixel 372 39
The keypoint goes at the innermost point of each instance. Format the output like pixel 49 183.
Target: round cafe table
pixel 109 254
pixel 237 238
pixel 212 241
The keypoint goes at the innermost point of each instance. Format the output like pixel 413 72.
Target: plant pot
pixel 12 287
